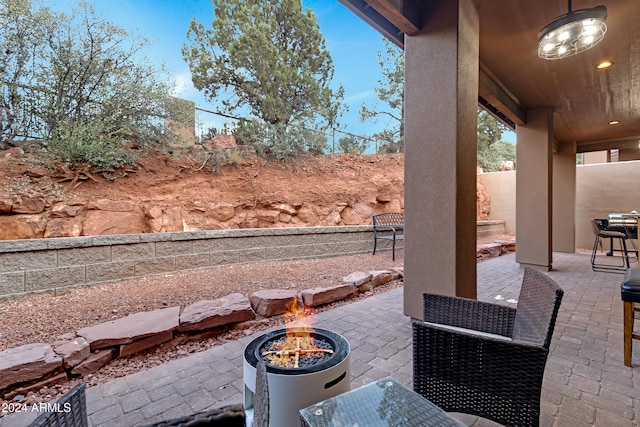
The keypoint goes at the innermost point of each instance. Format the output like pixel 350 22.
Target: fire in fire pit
pixel 304 366
pixel 295 352
pixel 300 346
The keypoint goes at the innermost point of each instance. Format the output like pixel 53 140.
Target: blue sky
pixel 353 44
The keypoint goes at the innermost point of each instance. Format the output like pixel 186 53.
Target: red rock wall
pixel 163 195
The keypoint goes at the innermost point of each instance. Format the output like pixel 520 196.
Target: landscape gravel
pixel 45 317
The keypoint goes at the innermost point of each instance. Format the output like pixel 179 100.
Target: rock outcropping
pixel 165 194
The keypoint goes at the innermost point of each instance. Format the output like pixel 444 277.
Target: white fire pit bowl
pixel 292 389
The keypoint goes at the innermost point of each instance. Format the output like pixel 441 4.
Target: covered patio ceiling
pixel 513 79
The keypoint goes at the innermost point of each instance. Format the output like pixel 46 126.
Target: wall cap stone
pixel 120 239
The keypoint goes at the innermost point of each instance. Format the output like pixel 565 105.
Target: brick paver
pixel 585 383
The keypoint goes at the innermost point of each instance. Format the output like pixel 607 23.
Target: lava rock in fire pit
pixel 296 352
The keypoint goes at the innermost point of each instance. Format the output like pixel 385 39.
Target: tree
pixel 391 93
pixel 352 144
pixel 86 85
pixel 491 149
pixel 266 59
pixel 20 38
pixel 97 69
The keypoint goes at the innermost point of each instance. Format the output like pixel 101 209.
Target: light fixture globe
pixel 572 33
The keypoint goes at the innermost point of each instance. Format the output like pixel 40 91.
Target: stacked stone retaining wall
pixel 57 264
pixel 490 227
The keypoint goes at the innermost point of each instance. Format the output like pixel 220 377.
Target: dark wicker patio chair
pixel 487 359
pixel 227 416
pixel 71 411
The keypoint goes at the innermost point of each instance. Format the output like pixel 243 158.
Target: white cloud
pixel 183 86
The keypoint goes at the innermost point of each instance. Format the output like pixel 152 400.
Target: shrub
pixel 90 144
pixel 280 141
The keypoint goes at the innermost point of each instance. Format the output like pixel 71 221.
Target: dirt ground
pixel 44 318
pixel 162 177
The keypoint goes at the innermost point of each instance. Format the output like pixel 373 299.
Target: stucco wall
pixel 600 189
pixel 501 187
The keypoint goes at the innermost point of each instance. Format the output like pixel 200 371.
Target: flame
pixel 298 340
pixel 298 319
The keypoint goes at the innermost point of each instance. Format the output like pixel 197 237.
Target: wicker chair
pixel 227 416
pixel 487 359
pixel 72 411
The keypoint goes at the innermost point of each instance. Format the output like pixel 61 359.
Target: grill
pixel 293 388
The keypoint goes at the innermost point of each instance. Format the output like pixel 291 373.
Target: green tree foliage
pixel 278 140
pixel 391 94
pixel 85 83
pixel 21 32
pixel 88 143
pixel 352 144
pixel 267 60
pixel 491 149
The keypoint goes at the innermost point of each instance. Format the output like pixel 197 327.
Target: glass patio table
pixel 383 403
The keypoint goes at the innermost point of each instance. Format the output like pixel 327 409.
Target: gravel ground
pixel 44 318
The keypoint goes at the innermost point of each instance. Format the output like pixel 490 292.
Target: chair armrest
pixel 469 314
pixel 499 357
pixel 394 228
pixel 228 416
pixel 72 413
pixel 495 366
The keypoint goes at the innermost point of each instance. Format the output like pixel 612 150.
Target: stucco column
pixel 441 93
pixel 534 181
pixel 564 198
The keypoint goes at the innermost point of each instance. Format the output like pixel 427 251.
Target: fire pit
pixel 304 366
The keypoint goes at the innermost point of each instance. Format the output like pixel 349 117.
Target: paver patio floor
pixel 585 383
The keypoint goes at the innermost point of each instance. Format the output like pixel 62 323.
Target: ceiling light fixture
pixel 604 64
pixel 572 33
pixel 614 122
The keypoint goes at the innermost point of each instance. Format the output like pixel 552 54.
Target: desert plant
pixel 90 144
pixel 235 156
pixel 74 70
pixel 352 144
pixel 279 141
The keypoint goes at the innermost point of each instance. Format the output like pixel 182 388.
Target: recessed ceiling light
pixel 604 64
pixel 614 122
